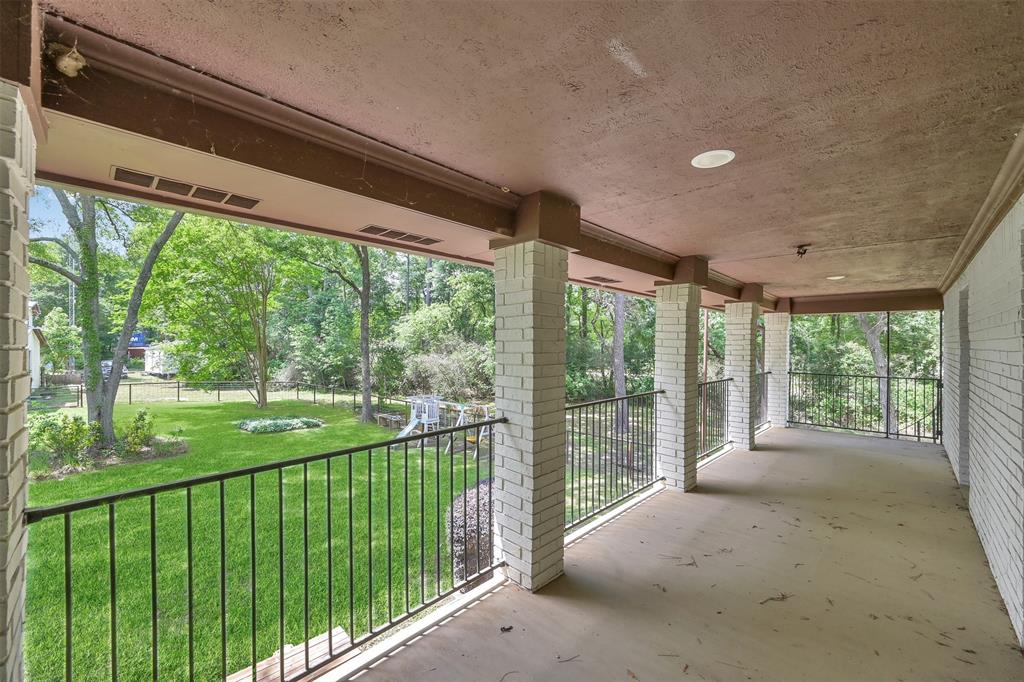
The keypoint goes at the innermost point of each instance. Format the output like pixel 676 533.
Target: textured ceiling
pixel 871 131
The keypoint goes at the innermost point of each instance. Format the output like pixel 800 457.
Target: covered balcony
pixel 766 160
pixel 816 556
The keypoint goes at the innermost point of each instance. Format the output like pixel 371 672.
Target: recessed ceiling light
pixel 836 278
pixel 713 158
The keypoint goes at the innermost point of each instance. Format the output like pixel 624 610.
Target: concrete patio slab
pixel 818 556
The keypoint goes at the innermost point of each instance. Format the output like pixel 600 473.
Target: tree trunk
pixel 131 320
pixel 428 293
pixel 364 333
pixel 619 379
pixel 584 310
pixel 873 335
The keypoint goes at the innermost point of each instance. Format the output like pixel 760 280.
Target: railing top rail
pixel 609 400
pixel 864 376
pixel 715 381
pixel 34 514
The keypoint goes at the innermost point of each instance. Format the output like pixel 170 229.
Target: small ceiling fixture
pixel 836 278
pixel 713 158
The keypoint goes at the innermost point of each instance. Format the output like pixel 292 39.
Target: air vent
pixel 173 186
pixel 602 280
pixel 185 189
pixel 133 177
pixel 207 194
pixel 242 202
pixel 398 235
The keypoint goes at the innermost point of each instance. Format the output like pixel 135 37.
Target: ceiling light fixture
pixel 836 278
pixel 713 158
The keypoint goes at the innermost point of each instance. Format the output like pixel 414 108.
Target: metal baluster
pixel 112 540
pixel 223 589
pixel 191 613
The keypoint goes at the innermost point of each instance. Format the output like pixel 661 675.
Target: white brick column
pixel 529 389
pixel 17 168
pixel 776 361
pixel 740 366
pixel 675 372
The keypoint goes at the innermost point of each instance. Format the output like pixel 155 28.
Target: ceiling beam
pixel 895 301
pixel 130 89
pixel 21 46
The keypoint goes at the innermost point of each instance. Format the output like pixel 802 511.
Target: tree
pixel 86 215
pixel 619 362
pixel 217 294
pixel 63 339
pixel 350 263
pixel 873 335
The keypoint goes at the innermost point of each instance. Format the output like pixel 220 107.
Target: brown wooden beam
pixel 21 36
pixel 130 89
pixel 920 299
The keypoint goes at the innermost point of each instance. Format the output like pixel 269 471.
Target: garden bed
pixel 279 424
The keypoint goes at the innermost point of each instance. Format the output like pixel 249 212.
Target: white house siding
pixel 982 429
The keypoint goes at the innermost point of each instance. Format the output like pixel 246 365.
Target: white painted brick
pixel 675 372
pixel 17 170
pixel 983 401
pixel 530 390
pixel 741 367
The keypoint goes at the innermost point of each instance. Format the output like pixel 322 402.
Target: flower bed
pixel 279 424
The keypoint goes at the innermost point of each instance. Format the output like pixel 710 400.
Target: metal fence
pixel 610 449
pixel 896 407
pixel 712 416
pixel 268 571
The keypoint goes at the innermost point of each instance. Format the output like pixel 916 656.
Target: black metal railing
pixel 761 399
pixel 272 570
pixel 712 416
pixel 897 407
pixel 610 453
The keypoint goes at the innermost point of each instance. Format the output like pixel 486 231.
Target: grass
pixel 394 564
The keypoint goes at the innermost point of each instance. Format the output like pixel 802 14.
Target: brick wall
pixel 17 161
pixel 675 371
pixel 740 356
pixel 991 449
pixel 776 361
pixel 529 356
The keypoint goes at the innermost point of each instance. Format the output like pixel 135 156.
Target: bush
pixel 68 438
pixel 278 424
pixel 139 432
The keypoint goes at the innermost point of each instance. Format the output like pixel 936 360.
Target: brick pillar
pixel 776 361
pixel 675 371
pixel 740 366
pixel 529 389
pixel 17 164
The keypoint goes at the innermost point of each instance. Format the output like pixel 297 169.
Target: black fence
pixel 896 407
pixel 271 570
pixel 610 453
pixel 712 416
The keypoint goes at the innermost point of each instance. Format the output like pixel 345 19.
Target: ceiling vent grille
pixel 184 189
pixel 398 235
pixel 602 280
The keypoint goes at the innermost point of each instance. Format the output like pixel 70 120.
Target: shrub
pixel 278 424
pixel 68 438
pixel 139 432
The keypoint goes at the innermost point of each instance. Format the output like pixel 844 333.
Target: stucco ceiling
pixel 871 131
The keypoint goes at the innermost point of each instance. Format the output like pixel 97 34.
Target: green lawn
pixel 413 559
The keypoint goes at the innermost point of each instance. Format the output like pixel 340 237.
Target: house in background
pixel 36 343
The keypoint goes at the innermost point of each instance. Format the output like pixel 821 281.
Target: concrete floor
pixel 817 557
